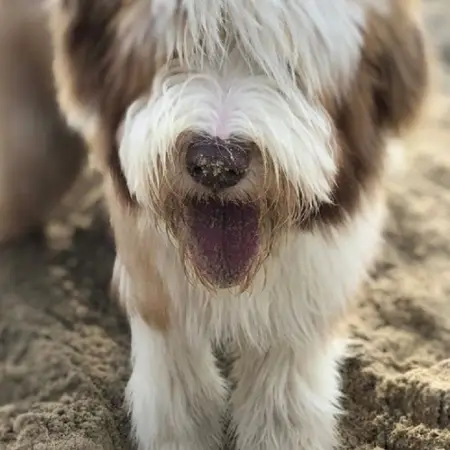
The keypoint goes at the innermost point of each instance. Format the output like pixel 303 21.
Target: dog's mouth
pixel 224 239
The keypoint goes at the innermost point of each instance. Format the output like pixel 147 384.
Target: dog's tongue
pixel 224 240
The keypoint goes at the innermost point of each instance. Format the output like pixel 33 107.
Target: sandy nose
pixel 217 164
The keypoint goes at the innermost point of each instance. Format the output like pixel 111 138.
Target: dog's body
pixel 243 147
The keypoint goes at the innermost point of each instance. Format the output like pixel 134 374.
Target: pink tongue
pixel 224 239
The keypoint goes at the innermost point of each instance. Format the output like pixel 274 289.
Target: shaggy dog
pixel 243 147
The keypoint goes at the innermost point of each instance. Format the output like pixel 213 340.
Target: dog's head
pixel 235 122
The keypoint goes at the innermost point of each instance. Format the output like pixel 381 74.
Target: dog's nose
pixel 217 165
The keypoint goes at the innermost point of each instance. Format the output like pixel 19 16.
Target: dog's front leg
pixel 176 395
pixel 286 398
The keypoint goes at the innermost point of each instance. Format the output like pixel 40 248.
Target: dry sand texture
pixel 64 347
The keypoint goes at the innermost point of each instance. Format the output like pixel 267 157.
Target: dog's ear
pixel 386 96
pixel 98 75
pixel 82 44
pixel 100 68
pixel 397 52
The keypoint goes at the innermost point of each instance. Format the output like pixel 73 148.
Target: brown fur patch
pixel 386 96
pixel 95 76
pixel 148 296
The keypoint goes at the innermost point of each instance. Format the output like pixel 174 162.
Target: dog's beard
pixel 224 241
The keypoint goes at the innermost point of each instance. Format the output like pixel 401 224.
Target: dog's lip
pixel 223 239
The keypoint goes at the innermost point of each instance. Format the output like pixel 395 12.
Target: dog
pixel 40 156
pixel 243 147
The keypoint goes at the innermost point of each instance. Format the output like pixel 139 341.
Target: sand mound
pixel 64 346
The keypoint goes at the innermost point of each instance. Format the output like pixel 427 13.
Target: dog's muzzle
pixel 224 237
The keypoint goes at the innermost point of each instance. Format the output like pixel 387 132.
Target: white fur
pixel 314 44
pixel 287 398
pixel 262 84
pixel 261 70
pixel 287 390
pixel 295 134
pixel 321 39
pixel 286 373
pixel 175 393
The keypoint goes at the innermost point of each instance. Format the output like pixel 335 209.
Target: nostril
pixel 196 170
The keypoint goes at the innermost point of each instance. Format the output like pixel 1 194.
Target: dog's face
pixel 235 122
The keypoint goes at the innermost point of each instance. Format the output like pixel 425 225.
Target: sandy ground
pixel 64 346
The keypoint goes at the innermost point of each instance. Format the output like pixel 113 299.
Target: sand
pixel 64 346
